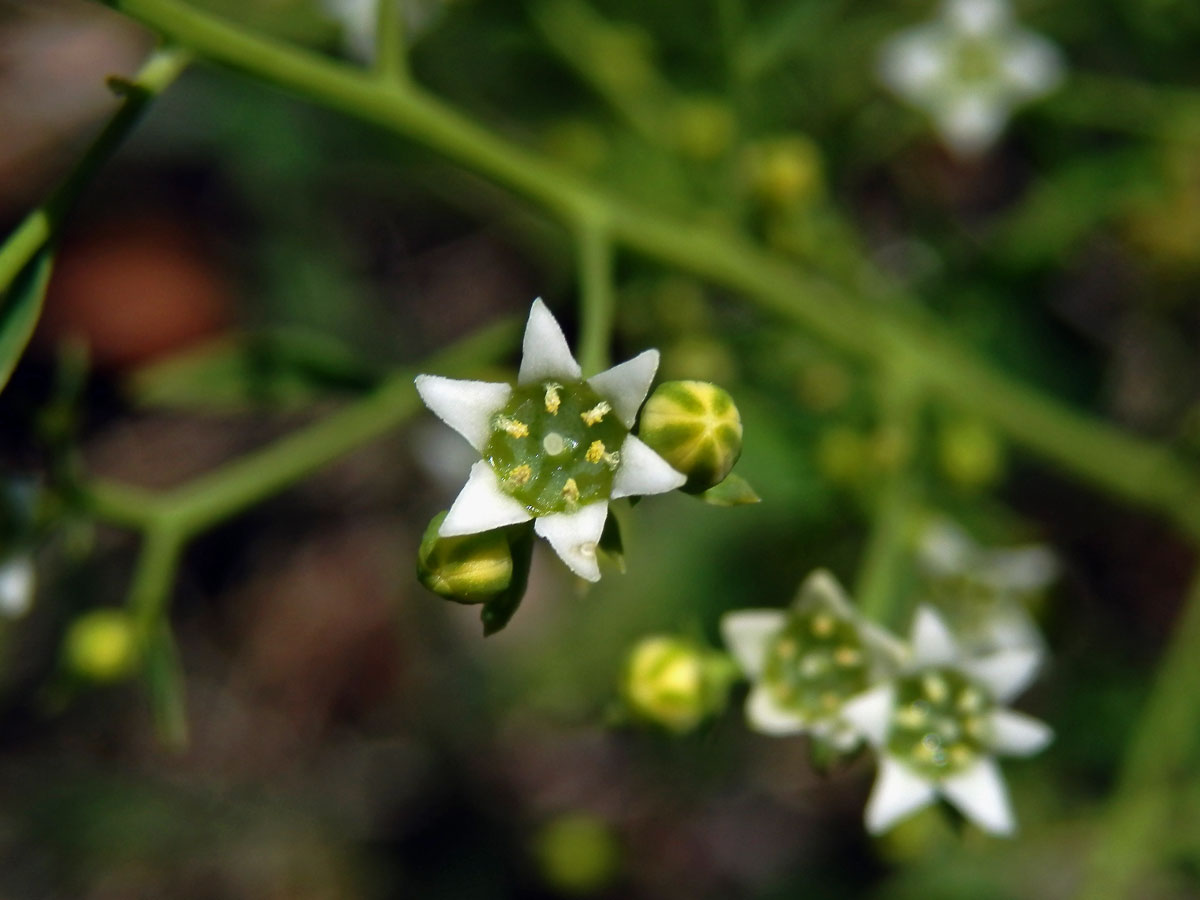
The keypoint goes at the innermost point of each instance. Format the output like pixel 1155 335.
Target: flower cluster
pixel 968 69
pixel 934 713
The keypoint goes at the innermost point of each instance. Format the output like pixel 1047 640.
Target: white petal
pixel 625 386
pixel 765 715
pixel 821 589
pixel 914 61
pixel 970 123
pixel 870 713
pixel 976 17
pixel 898 792
pixel 466 406
pixel 1021 570
pixel 574 537
pixel 642 471
pixel 1016 734
pixel 482 506
pixel 16 586
pixel 946 549
pixel 1032 65
pixel 932 643
pixel 980 795
pixel 890 650
pixel 1006 673
pixel 545 352
pixel 747 633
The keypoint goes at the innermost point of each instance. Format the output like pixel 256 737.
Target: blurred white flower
pixel 939 725
pixel 16 586
pixel 555 448
pixel 807 661
pixel 984 591
pixel 359 19
pixel 969 69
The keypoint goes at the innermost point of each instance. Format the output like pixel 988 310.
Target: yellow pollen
pixel 935 688
pixel 552 399
pixel 846 656
pixel 570 491
pixel 596 413
pixel 822 625
pixel 960 755
pixel 595 452
pixel 521 474
pixel 911 716
pixel 514 427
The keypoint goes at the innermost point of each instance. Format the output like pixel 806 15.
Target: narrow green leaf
pixel 733 491
pixel 280 369
pixel 19 312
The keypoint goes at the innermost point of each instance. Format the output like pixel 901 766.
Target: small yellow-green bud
pixel 577 853
pixel 471 568
pixel 101 645
pixel 704 127
pixel 842 455
pixel 694 426
pixel 785 172
pixel 673 683
pixel 970 454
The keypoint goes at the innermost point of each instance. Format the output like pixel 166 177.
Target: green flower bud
pixel 577 853
pixel 472 568
pixel 970 454
pixel 673 683
pixel 785 172
pixel 694 426
pixel 102 645
pixel 704 127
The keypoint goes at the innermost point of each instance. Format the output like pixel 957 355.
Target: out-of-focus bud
pixel 970 454
pixel 101 645
pixel 472 568
pixel 843 455
pixel 577 853
pixel 785 172
pixel 674 683
pixel 704 127
pixel 695 426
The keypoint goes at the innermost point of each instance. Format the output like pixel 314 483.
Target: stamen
pixel 935 688
pixel 822 625
pixel 520 475
pixel 552 398
pixel 596 413
pixel 595 452
pixel 911 716
pixel 570 491
pixel 847 656
pixel 514 427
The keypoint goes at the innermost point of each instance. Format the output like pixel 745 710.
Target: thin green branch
pixel 596 296
pixel 391 50
pixel 1159 761
pixel 161 68
pixel 877 589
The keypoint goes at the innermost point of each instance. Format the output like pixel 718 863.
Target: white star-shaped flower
pixel 807 661
pixel 985 589
pixel 939 725
pixel 556 448
pixel 968 69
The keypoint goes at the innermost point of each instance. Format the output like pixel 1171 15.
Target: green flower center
pixel 976 61
pixel 555 446
pixel 815 664
pixel 940 721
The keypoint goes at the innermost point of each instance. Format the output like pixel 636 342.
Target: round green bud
pixel 785 172
pixel 577 853
pixel 842 455
pixel 704 127
pixel 671 682
pixel 471 568
pixel 102 645
pixel 694 426
pixel 970 454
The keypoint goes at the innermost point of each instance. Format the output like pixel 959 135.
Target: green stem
pixel 161 68
pixel 209 499
pixel 597 297
pixel 1160 759
pixel 391 52
pixel 877 589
